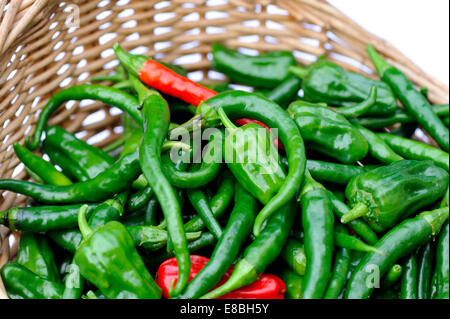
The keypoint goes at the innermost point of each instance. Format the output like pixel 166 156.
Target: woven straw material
pixel 46 45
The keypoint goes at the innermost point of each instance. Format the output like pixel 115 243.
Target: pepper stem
pixel 380 64
pixel 299 71
pixel 132 63
pixel 356 212
pixel 168 145
pixel 142 91
pixel 85 230
pixel 226 120
pixel 436 218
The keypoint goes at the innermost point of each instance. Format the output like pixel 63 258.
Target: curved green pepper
pixel 325 81
pixel 329 132
pixel 108 259
pixel 388 194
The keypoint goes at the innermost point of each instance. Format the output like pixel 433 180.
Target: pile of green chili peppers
pixel 339 202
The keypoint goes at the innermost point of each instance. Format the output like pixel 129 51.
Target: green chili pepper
pixel 114 180
pixel 108 259
pixel 249 154
pixel 139 199
pixel 294 284
pixel 401 241
pixel 21 283
pixel 107 95
pixel 399 116
pixel 260 253
pixel 388 194
pixel 391 276
pixel 413 101
pixel 247 105
pixel 351 242
pixel 238 228
pixel 415 150
pixel 328 132
pixel 155 131
pixel 358 226
pixel 425 269
pixel 69 167
pixel 332 172
pixel 294 255
pixel 377 147
pixel 218 203
pixel 46 171
pixel 339 274
pixel 318 226
pixel 360 108
pixel 409 279
pixel 42 218
pixel 200 203
pixel 285 92
pixel 265 70
pixel 441 272
pixel 35 255
pixel 325 81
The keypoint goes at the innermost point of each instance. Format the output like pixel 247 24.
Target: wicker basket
pixel 46 45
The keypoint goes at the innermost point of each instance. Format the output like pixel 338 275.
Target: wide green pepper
pixel 388 194
pixel 328 132
pixel 251 157
pixel 325 81
pixel 21 283
pixel 108 259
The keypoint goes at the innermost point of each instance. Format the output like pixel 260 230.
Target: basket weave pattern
pixel 46 45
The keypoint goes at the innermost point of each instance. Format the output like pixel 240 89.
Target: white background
pixel 418 28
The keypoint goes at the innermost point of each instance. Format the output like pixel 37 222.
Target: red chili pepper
pixel 169 82
pixel 266 287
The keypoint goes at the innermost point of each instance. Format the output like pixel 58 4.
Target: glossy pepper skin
pixel 293 283
pixel 108 259
pixel 241 104
pixel 413 101
pixel 238 228
pixel 285 92
pixel 441 273
pixel 266 287
pixel 425 270
pixel 263 71
pixel 324 81
pixel 318 226
pixel 399 242
pixel 21 283
pixel 294 255
pixel 260 253
pixel 155 131
pixel 107 95
pixel 391 193
pixel 251 158
pixel 409 279
pixel 114 180
pixel 328 132
pixel 44 169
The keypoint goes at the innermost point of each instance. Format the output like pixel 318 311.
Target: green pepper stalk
pixel 156 116
pixel 351 242
pixel 399 242
pixel 413 101
pixel 260 253
pixel 108 259
pixel 238 228
pixel 325 81
pixel 360 108
pixel 246 154
pixel 318 226
pixel 394 274
pixel 380 197
pixel 46 171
